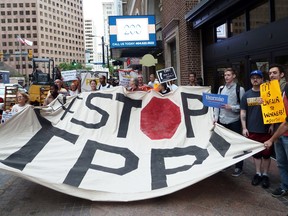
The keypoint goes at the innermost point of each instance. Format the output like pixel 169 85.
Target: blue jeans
pixel 281 150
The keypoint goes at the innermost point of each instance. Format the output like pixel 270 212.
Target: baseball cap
pixel 256 72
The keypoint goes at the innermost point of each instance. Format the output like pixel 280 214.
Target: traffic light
pixel 74 63
pixel 1 54
pixel 30 54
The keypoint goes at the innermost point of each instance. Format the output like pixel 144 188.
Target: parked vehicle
pixel 41 80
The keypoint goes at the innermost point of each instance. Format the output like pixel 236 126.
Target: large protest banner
pixel 115 145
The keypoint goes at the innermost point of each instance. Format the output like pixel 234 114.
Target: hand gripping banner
pixel 115 145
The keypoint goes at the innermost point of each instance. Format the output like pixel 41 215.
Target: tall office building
pixel 54 26
pixel 90 40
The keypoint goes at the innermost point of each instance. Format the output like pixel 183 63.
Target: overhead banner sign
pixel 115 145
pixel 132 31
pixel 273 109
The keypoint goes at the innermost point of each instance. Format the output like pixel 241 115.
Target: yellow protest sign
pixel 273 110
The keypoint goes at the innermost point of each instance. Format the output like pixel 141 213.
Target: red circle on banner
pixel 160 119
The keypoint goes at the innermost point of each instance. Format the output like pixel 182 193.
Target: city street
pixel 220 194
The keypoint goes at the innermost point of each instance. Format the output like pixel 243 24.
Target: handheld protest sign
pixel 166 74
pixel 273 110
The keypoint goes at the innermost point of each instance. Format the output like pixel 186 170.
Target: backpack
pixel 237 91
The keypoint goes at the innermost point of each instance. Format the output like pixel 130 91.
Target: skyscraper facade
pixel 54 26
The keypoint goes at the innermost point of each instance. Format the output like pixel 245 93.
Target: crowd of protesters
pixel 243 115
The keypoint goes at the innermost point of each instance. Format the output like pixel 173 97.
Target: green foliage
pixel 68 66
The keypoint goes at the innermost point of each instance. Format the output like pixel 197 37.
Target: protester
pixel 133 84
pixel 229 114
pixel 103 84
pixel 93 85
pixel 74 89
pixel 163 88
pixel 22 102
pixel 276 72
pixel 152 81
pixel 142 86
pixel 192 79
pixel 61 90
pixel 253 127
pixel 52 94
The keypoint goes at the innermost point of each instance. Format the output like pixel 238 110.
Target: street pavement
pixel 220 194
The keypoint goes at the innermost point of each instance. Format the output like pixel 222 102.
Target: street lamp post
pixel 103 47
pixel 103 51
pixel 107 50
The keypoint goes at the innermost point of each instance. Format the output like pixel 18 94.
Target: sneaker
pixel 237 172
pixel 265 181
pixel 279 192
pixel 256 180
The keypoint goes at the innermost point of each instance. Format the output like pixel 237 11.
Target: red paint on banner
pixel 160 119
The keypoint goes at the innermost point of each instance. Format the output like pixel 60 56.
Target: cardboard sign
pixel 166 75
pixel 69 75
pixel 214 100
pixel 273 110
pixel 125 75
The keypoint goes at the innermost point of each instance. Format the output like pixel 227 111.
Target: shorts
pixel 260 137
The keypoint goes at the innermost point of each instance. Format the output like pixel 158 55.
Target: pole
pixel 19 58
pixel 107 50
pixel 21 61
pixel 103 50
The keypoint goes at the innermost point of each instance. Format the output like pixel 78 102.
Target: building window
pixel 281 9
pixel 238 25
pixel 260 16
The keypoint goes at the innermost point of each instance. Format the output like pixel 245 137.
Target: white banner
pixel 115 145
pixel 125 76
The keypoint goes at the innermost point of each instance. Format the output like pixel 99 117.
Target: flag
pixel 24 41
pixel 27 42
pixel 20 40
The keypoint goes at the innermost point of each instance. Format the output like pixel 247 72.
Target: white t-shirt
pixel 16 108
pixel 101 87
pixel 73 93
pixel 151 84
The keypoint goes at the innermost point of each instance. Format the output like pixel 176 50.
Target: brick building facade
pixel 182 45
